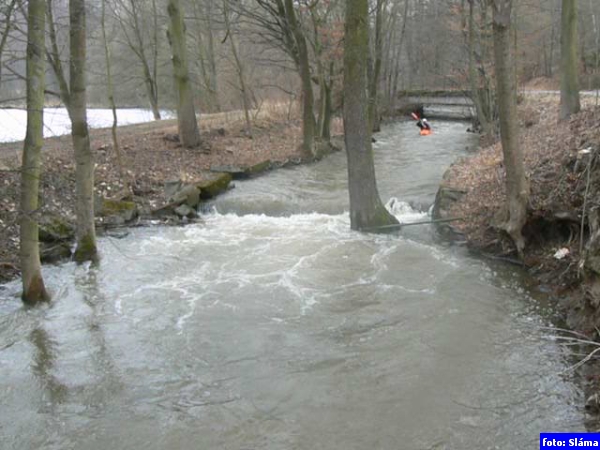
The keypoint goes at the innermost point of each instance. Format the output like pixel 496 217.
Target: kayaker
pixel 423 124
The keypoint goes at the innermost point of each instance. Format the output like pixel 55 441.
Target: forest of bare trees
pixel 414 45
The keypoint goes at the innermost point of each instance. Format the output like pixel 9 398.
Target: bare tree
pixel 308 116
pixel 395 43
pixel 189 134
pixel 478 95
pixel 34 290
pixel 111 97
pixel 130 18
pixel 54 58
pixel 279 25
pixel 376 67
pixel 517 184
pixel 327 33
pixel 366 208
pixel 239 67
pixel 206 52
pixel 86 249
pixel 569 85
pixel 7 13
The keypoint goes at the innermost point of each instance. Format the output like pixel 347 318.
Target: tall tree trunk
pixel 377 59
pixel 318 56
pixel 395 73
pixel 86 249
pixel 550 71
pixel 204 56
pixel 517 185
pixel 366 208
pixel 138 48
pixel 328 107
pixel 53 55
pixel 484 121
pixel 155 42
pixel 34 290
pixel 239 68
pixel 388 55
pixel 212 64
pixel 152 90
pixel 111 98
pixel 569 84
pixel 308 116
pixel 186 113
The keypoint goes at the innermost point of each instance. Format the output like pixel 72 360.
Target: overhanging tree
pixel 366 209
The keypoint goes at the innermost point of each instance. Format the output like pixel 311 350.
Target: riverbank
pixel 557 156
pixel 152 159
pixel 563 223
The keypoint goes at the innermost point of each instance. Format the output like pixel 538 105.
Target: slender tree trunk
pixel 203 57
pixel 328 108
pixel 138 47
pixel 569 84
pixel 86 249
pixel 212 64
pixel 396 66
pixel 111 98
pixel 239 67
pixel 366 208
pixel 155 44
pixel 308 116
pixel 6 32
pixel 151 89
pixel 517 185
pixel 388 58
pixel 473 76
pixel 186 113
pixel 596 46
pixel 34 290
pixel 552 43
pixel 53 56
pixel 318 56
pixel 377 58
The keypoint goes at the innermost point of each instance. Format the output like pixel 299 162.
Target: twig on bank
pixel 585 197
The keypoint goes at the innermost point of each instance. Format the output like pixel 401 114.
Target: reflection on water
pixel 273 325
pixel 44 358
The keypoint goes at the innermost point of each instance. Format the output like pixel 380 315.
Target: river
pixel 274 326
pixel 56 120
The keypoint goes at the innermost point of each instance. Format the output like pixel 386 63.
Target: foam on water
pixel 285 254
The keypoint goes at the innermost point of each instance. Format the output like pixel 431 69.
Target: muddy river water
pixel 274 326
